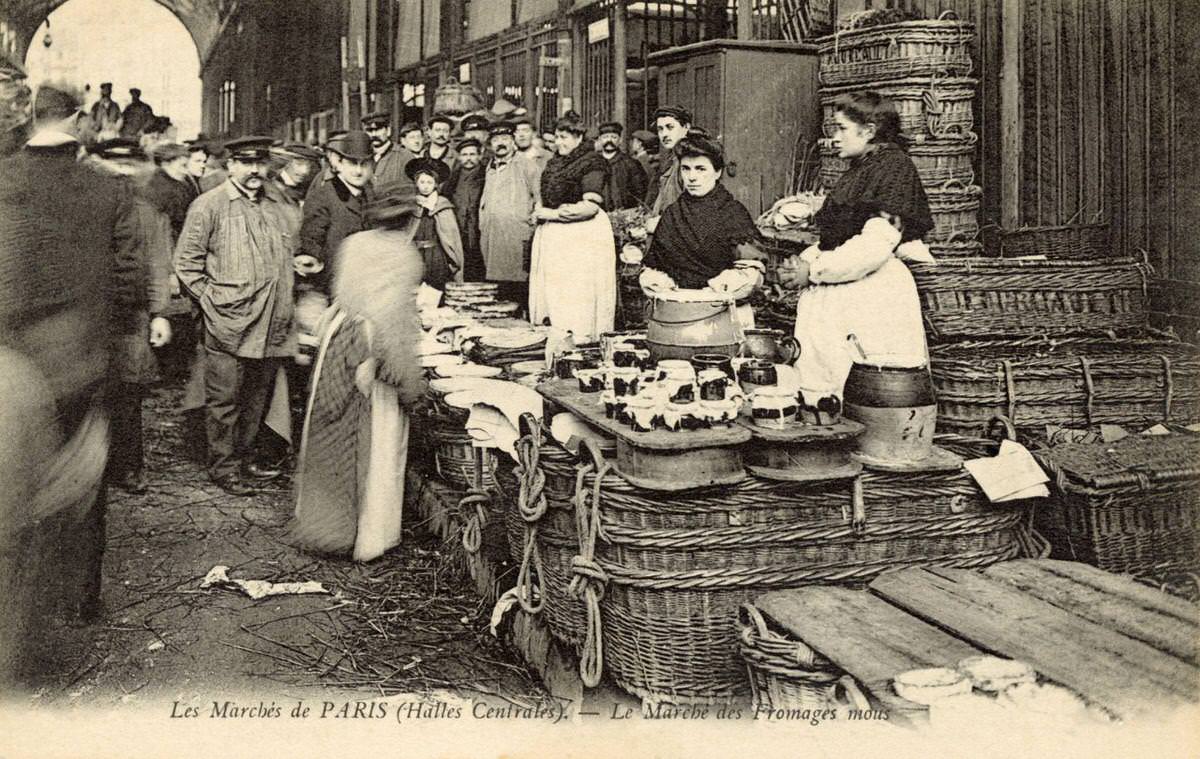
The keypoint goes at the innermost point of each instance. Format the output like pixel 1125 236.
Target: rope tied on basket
pixel 475 501
pixel 588 578
pixel 531 505
pixel 1010 389
pixel 1089 388
pixel 1168 387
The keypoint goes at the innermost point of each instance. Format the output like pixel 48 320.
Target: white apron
pixel 573 277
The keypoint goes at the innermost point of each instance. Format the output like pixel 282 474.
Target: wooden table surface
pixel 1118 644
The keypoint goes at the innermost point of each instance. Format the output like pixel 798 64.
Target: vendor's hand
pixel 541 215
pixel 735 283
pixel 174 287
pixel 793 272
pixel 160 332
pixel 364 377
pixel 655 281
pixel 306 265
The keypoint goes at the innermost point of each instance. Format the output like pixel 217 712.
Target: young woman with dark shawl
pixel 350 474
pixel 573 271
pixel 854 281
pixel 706 237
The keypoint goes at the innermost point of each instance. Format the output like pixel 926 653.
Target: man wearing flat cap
pixel 626 185
pixel 465 188
pixel 168 187
pixel 511 190
pixel 671 123
pixel 389 164
pixel 105 114
pixel 336 208
pixel 643 147
pixel 299 165
pixel 235 257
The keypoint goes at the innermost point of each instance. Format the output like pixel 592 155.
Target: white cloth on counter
pixel 861 288
pixel 496 411
pixel 569 430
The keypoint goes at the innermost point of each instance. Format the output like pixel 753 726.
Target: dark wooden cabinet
pixel 759 97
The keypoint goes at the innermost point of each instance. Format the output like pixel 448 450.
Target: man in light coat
pixel 511 190
pixel 235 257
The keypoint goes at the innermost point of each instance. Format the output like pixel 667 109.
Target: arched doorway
pixel 131 43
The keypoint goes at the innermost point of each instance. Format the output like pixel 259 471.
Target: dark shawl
pixel 567 177
pixel 697 238
pixel 883 180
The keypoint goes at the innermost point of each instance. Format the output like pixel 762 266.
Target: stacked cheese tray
pixel 478 299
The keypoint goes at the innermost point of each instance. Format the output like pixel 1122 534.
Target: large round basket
pixel 955 210
pixel 929 108
pixel 937 162
pixel 893 51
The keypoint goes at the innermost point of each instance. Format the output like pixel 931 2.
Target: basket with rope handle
pixel 898 50
pixel 978 298
pixel 1076 382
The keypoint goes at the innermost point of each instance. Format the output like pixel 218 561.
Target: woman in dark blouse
pixel 702 234
pixel 572 276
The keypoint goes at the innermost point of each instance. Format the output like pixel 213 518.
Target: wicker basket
pixel 937 163
pixel 783 673
pixel 957 249
pixel 1132 506
pixel 669 571
pixel 929 108
pixel 992 297
pixel 1070 241
pixel 556 541
pixel 454 458
pixel 1072 382
pixel 893 51
pixel 955 210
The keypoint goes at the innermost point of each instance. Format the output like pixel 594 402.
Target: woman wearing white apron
pixel 354 451
pixel 855 282
pixel 573 271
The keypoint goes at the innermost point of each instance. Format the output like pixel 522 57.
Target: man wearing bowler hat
pixel 626 186
pixel 335 209
pixel 235 256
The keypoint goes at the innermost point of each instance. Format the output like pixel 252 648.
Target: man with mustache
pixel 627 181
pixel 511 190
pixel 235 257
pixel 440 128
pixel 390 158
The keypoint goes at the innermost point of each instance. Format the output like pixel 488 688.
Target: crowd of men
pixel 104 218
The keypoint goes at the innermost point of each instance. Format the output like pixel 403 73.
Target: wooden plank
pixel 868 638
pixel 1108 604
pixel 1123 675
pixel 1011 131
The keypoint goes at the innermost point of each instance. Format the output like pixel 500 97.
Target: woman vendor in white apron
pixel 573 271
pixel 705 239
pixel 350 473
pixel 854 281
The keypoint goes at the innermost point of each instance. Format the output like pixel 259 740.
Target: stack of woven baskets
pixel 923 67
pixel 645 586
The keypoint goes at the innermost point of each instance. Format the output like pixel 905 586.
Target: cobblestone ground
pixel 406 623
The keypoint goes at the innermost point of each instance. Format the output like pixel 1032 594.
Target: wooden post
pixel 1011 19
pixel 620 58
pixel 345 85
pixel 745 19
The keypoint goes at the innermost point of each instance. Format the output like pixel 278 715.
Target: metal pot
pixel 681 329
pixel 770 344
